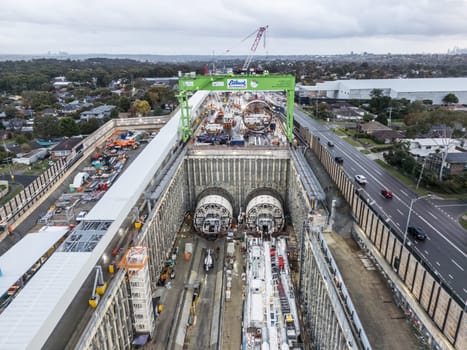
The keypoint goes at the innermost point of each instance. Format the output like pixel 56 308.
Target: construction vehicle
pixel 208 262
pixel 99 287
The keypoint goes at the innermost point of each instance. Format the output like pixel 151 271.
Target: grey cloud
pixel 204 24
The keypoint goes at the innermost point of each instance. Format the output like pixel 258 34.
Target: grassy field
pixel 15 169
pixel 402 178
pixel 352 142
pixel 463 221
pixel 14 190
pixel 339 132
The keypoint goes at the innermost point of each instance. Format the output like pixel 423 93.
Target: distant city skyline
pixel 206 27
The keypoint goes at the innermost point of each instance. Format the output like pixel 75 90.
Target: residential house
pixel 60 82
pixel 31 157
pixel 372 126
pixel 49 112
pixel 387 136
pixel 66 147
pixel 421 148
pixel 73 107
pixel 99 113
pixel 28 126
pixel 14 124
pixel 455 163
pixel 345 111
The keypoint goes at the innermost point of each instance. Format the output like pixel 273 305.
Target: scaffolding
pixel 135 262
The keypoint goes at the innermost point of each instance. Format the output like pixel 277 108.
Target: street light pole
pixel 412 201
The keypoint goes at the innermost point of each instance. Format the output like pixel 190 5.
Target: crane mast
pixel 259 35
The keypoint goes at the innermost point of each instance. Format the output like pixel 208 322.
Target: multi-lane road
pixel 445 249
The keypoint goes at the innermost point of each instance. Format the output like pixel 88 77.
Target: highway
pixel 446 246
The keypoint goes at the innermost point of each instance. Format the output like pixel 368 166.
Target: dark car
pixel 386 193
pixel 339 160
pixel 417 232
pixel 330 144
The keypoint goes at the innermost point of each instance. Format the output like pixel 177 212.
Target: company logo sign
pixel 254 84
pixel 218 83
pixel 237 83
pixel 188 83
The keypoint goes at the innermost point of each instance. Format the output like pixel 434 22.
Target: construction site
pixel 212 237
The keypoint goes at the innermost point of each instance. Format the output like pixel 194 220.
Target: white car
pixel 81 215
pixel 361 179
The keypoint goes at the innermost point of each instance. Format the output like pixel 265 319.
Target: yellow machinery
pixel 99 287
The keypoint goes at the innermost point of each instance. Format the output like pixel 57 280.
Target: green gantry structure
pixel 233 82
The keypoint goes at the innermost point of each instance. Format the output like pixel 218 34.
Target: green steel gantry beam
pixel 235 83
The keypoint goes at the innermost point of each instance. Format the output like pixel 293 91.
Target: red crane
pixel 259 34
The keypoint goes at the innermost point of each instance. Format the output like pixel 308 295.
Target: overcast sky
pixel 209 26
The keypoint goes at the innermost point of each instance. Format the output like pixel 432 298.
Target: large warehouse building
pixel 434 89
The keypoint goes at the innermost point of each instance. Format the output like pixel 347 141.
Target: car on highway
pixel 361 179
pixel 339 160
pixel 386 193
pixel 417 232
pixel 330 144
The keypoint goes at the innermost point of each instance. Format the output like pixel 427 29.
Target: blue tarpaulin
pixel 141 339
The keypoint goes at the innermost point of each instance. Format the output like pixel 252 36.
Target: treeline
pixel 19 76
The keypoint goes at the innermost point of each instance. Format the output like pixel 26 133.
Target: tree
pixel 450 99
pixel 379 103
pixel 39 100
pixel 87 127
pixel 25 147
pixel 142 107
pixel 10 112
pixel 382 119
pixel 68 127
pixel 124 103
pixel 114 113
pixel 20 139
pixel 367 117
pixel 46 127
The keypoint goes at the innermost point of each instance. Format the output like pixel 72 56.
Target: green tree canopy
pixel 68 127
pixel 124 103
pixel 367 117
pixel 10 112
pixel 450 98
pixel 87 127
pixel 39 99
pixel 46 127
pixel 379 103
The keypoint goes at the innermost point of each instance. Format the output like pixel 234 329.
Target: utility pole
pixel 421 173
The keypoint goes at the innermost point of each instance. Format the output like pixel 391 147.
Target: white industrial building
pixel 434 89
